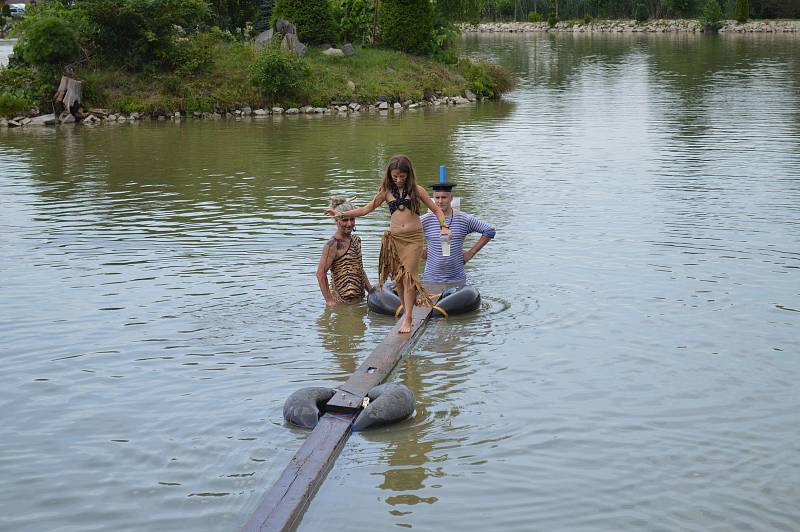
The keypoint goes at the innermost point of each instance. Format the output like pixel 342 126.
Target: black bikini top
pixel 398 201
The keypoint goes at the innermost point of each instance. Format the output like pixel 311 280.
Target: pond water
pixel 634 364
pixel 6 47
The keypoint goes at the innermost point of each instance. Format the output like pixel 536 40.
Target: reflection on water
pixel 631 367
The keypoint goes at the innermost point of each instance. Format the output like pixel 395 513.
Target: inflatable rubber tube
pixel 384 301
pixel 457 301
pixel 305 406
pixel 389 403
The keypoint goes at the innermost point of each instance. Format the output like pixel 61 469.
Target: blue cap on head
pixel 443 185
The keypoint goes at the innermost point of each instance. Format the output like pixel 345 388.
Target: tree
pixel 407 25
pixel 742 10
pixel 312 18
pixel 711 16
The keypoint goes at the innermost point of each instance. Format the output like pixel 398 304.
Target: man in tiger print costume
pixel 342 257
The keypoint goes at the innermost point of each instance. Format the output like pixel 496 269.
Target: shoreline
pixel 353 109
pixel 631 26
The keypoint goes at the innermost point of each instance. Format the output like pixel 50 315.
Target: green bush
pixel 742 11
pixel 24 83
pixel 486 79
pixel 535 16
pixel 193 54
pixel 588 19
pixel 312 18
pixel 711 16
pixel 552 19
pixel 6 10
pixel 407 25
pixel 354 18
pixel 11 105
pixel 278 75
pixel 641 14
pixel 136 33
pixel 49 42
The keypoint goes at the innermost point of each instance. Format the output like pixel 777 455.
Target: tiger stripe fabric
pixel 348 273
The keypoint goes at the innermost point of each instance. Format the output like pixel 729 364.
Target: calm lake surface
pixel 634 365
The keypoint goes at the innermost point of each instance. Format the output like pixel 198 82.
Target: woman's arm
pixel 361 211
pixel 426 199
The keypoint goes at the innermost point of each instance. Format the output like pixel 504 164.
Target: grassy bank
pixel 216 76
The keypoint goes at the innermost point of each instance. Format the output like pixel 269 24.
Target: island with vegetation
pixel 216 58
pixel 198 58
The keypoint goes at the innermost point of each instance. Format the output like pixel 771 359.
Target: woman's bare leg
pixel 409 297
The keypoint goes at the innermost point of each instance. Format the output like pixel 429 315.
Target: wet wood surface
pixel 284 503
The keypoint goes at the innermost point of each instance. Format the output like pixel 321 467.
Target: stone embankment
pixel 96 116
pixel 631 26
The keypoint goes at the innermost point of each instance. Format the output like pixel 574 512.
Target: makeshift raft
pixel 287 499
pixel 454 300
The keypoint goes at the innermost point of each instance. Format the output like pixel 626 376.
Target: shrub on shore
pixel 354 18
pixel 49 43
pixel 312 18
pixel 711 16
pixel 407 25
pixel 277 74
pixel 641 14
pixel 136 34
pixel 742 11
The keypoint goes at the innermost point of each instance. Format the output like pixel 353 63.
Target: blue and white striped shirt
pixel 450 269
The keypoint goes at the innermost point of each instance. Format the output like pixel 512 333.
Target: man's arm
pixel 325 262
pixel 487 232
pixel 471 252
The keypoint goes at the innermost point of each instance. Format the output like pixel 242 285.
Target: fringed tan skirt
pixel 399 260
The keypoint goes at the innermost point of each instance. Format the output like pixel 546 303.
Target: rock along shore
pixel 97 116
pixel 631 26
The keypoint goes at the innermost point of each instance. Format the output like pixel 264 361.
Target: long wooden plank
pixel 287 499
pixel 378 364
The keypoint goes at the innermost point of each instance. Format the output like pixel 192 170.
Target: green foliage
pixel 711 16
pixel 6 10
pixel 263 15
pixel 504 8
pixel 279 75
pixel 587 19
pixel 407 25
pixel 49 42
pixel 139 33
pixel 11 105
pixel 232 14
pixel 742 11
pixel 312 18
pixel 641 14
pixel 192 55
pixel 354 18
pixel 486 79
pixel 25 84
pixel 535 16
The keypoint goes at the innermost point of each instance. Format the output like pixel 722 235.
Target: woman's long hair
pixel 403 163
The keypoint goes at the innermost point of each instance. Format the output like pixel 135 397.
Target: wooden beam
pixel 378 364
pixel 287 499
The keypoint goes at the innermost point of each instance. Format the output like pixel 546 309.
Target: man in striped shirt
pixel 450 270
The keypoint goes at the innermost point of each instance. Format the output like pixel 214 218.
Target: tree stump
pixel 68 96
